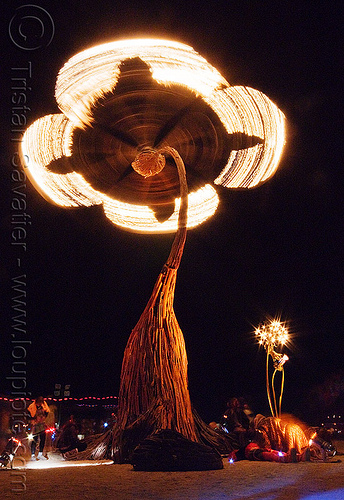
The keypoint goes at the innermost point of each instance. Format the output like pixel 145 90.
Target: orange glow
pixel 295 437
pixel 313 436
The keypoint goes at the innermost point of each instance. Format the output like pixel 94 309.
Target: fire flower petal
pixel 54 133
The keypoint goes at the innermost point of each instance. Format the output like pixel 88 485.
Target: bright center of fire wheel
pixel 148 162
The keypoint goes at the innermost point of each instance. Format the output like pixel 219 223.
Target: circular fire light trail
pixel 121 97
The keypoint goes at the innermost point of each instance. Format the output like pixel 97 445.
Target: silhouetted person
pixel 38 411
pixel 68 440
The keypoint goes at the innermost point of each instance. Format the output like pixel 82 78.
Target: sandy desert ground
pixel 60 480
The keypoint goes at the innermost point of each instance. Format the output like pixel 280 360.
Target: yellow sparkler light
pixel 53 146
pixel 273 335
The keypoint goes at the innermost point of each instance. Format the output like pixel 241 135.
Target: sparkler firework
pixel 273 335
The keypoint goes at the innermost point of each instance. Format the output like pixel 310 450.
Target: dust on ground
pixel 244 480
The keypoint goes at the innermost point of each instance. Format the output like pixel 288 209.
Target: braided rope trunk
pixel 154 391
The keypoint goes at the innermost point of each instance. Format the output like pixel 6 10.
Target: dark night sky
pixel 275 250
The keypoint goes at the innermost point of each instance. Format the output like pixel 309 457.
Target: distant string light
pixel 85 398
pixel 90 75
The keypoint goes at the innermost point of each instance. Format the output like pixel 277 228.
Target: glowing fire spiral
pixel 54 146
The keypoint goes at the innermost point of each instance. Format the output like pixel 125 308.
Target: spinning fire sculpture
pixel 131 110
